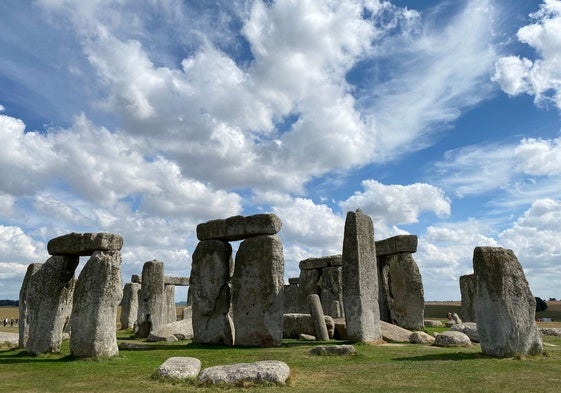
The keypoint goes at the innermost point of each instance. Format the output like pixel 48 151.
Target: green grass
pixel 395 368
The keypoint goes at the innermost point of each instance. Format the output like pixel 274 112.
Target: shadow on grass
pixel 20 356
pixel 458 356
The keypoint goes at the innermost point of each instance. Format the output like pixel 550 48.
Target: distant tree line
pixel 9 303
pixel 541 305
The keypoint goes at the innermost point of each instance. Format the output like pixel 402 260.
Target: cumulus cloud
pixel 540 77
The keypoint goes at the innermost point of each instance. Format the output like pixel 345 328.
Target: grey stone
pixel 266 371
pixel 180 368
pixel 331 289
pixel 394 333
pixel 421 338
pixel 318 319
pixel 337 350
pixel 177 281
pixel 49 303
pixel 136 279
pixel 94 313
pixel 129 305
pixel 11 339
pixel 295 324
pixel 321 262
pixel 132 346
pixel 290 302
pixel 307 337
pixel 505 307
pixel 188 313
pixel 397 245
pixel 258 284
pixel 456 318
pixel 23 324
pixel 308 285
pixel 469 329
pixel 180 330
pixel 211 293
pixel 239 227
pixel 452 339
pixel 360 279
pixel 554 332
pixel 171 310
pixel 84 244
pixel 467 290
pixel 433 323
pixel 294 280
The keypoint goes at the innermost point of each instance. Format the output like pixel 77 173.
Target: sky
pixel 145 118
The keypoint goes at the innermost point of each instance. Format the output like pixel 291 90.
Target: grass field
pixel 382 368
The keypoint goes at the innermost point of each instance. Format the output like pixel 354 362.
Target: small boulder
pixel 394 333
pixel 266 371
pixel 469 329
pixel 179 330
pixel 339 350
pixel 421 338
pixel 452 339
pixel 180 368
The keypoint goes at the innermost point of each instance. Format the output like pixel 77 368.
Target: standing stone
pixel 331 290
pixel 360 279
pixel 406 295
pixel 152 305
pixel 290 302
pixel 129 305
pixel 23 308
pixel 96 299
pixel 49 303
pixel 258 292
pixel 505 307
pixel 318 318
pixel 170 304
pixel 467 289
pixel 211 293
pixel 307 285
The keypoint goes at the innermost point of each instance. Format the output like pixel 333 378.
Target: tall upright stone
pixel 505 307
pixel 152 309
pixel 129 305
pixel 23 307
pixel 258 292
pixel 308 284
pixel 360 279
pixel 290 302
pixel 211 293
pixel 468 286
pixel 49 303
pixel 96 299
pixel 331 286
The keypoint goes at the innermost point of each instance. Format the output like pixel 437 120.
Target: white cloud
pixel 16 246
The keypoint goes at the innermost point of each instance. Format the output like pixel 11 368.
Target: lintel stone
pixel 293 280
pixel 396 245
pixel 239 227
pixel 84 244
pixel 177 281
pixel 136 278
pixel 321 262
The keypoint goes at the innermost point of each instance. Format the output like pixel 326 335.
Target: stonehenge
pixel 467 292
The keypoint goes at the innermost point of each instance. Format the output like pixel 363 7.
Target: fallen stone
pixel 179 330
pixel 133 346
pixel 452 339
pixel 239 227
pixel 421 338
pixel 556 332
pixel 84 244
pixel 295 324
pixel 179 368
pixel 469 329
pixel 318 319
pixel 267 371
pixel 394 333
pixel 307 337
pixel 433 323
pixel 338 350
pixel 397 245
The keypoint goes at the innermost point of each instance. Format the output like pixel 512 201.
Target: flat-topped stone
pixel 239 227
pixel 321 262
pixel 396 245
pixel 136 278
pixel 265 371
pixel 177 281
pixel 84 244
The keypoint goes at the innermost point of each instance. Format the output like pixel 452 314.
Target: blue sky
pixel 436 118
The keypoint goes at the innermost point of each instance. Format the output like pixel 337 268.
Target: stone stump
pixel 467 290
pixel 23 307
pixel 129 305
pixel 258 292
pixel 49 303
pixel 505 307
pixel 360 279
pixel 96 298
pixel 211 293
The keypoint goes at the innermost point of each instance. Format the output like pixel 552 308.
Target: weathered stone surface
pixel 49 303
pixel 211 293
pixel 331 289
pixel 452 339
pixel 467 290
pixel 505 307
pixel 84 244
pixel 397 245
pixel 258 292
pixel 421 338
pixel 23 307
pixel 404 294
pixel 96 299
pixel 308 285
pixel 188 313
pixel 555 332
pixel 180 330
pixel 337 350
pixel 266 371
pixel 340 329
pixel 177 281
pixel 456 318
pixel 433 323
pixel 321 262
pixel 9 338
pixel 360 279
pixel 290 302
pixel 294 280
pixel 318 319
pixel 394 333
pixel 129 305
pixel 295 324
pixel 469 329
pixel 171 310
pixel 133 346
pixel 307 337
pixel 239 227
pixel 180 367
pixel 136 279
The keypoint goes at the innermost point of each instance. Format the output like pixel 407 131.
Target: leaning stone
pixel 239 227
pixel 452 339
pixel 360 279
pixel 433 323
pixel 396 245
pixel 129 305
pixel 338 350
pixel 469 329
pixel 318 319
pixel 180 368
pixel 180 330
pixel 266 371
pixel 23 324
pixel 467 290
pixel 295 324
pixel 257 296
pixel 421 338
pixel 394 333
pixel 84 244
pixel 96 299
pixel 505 307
